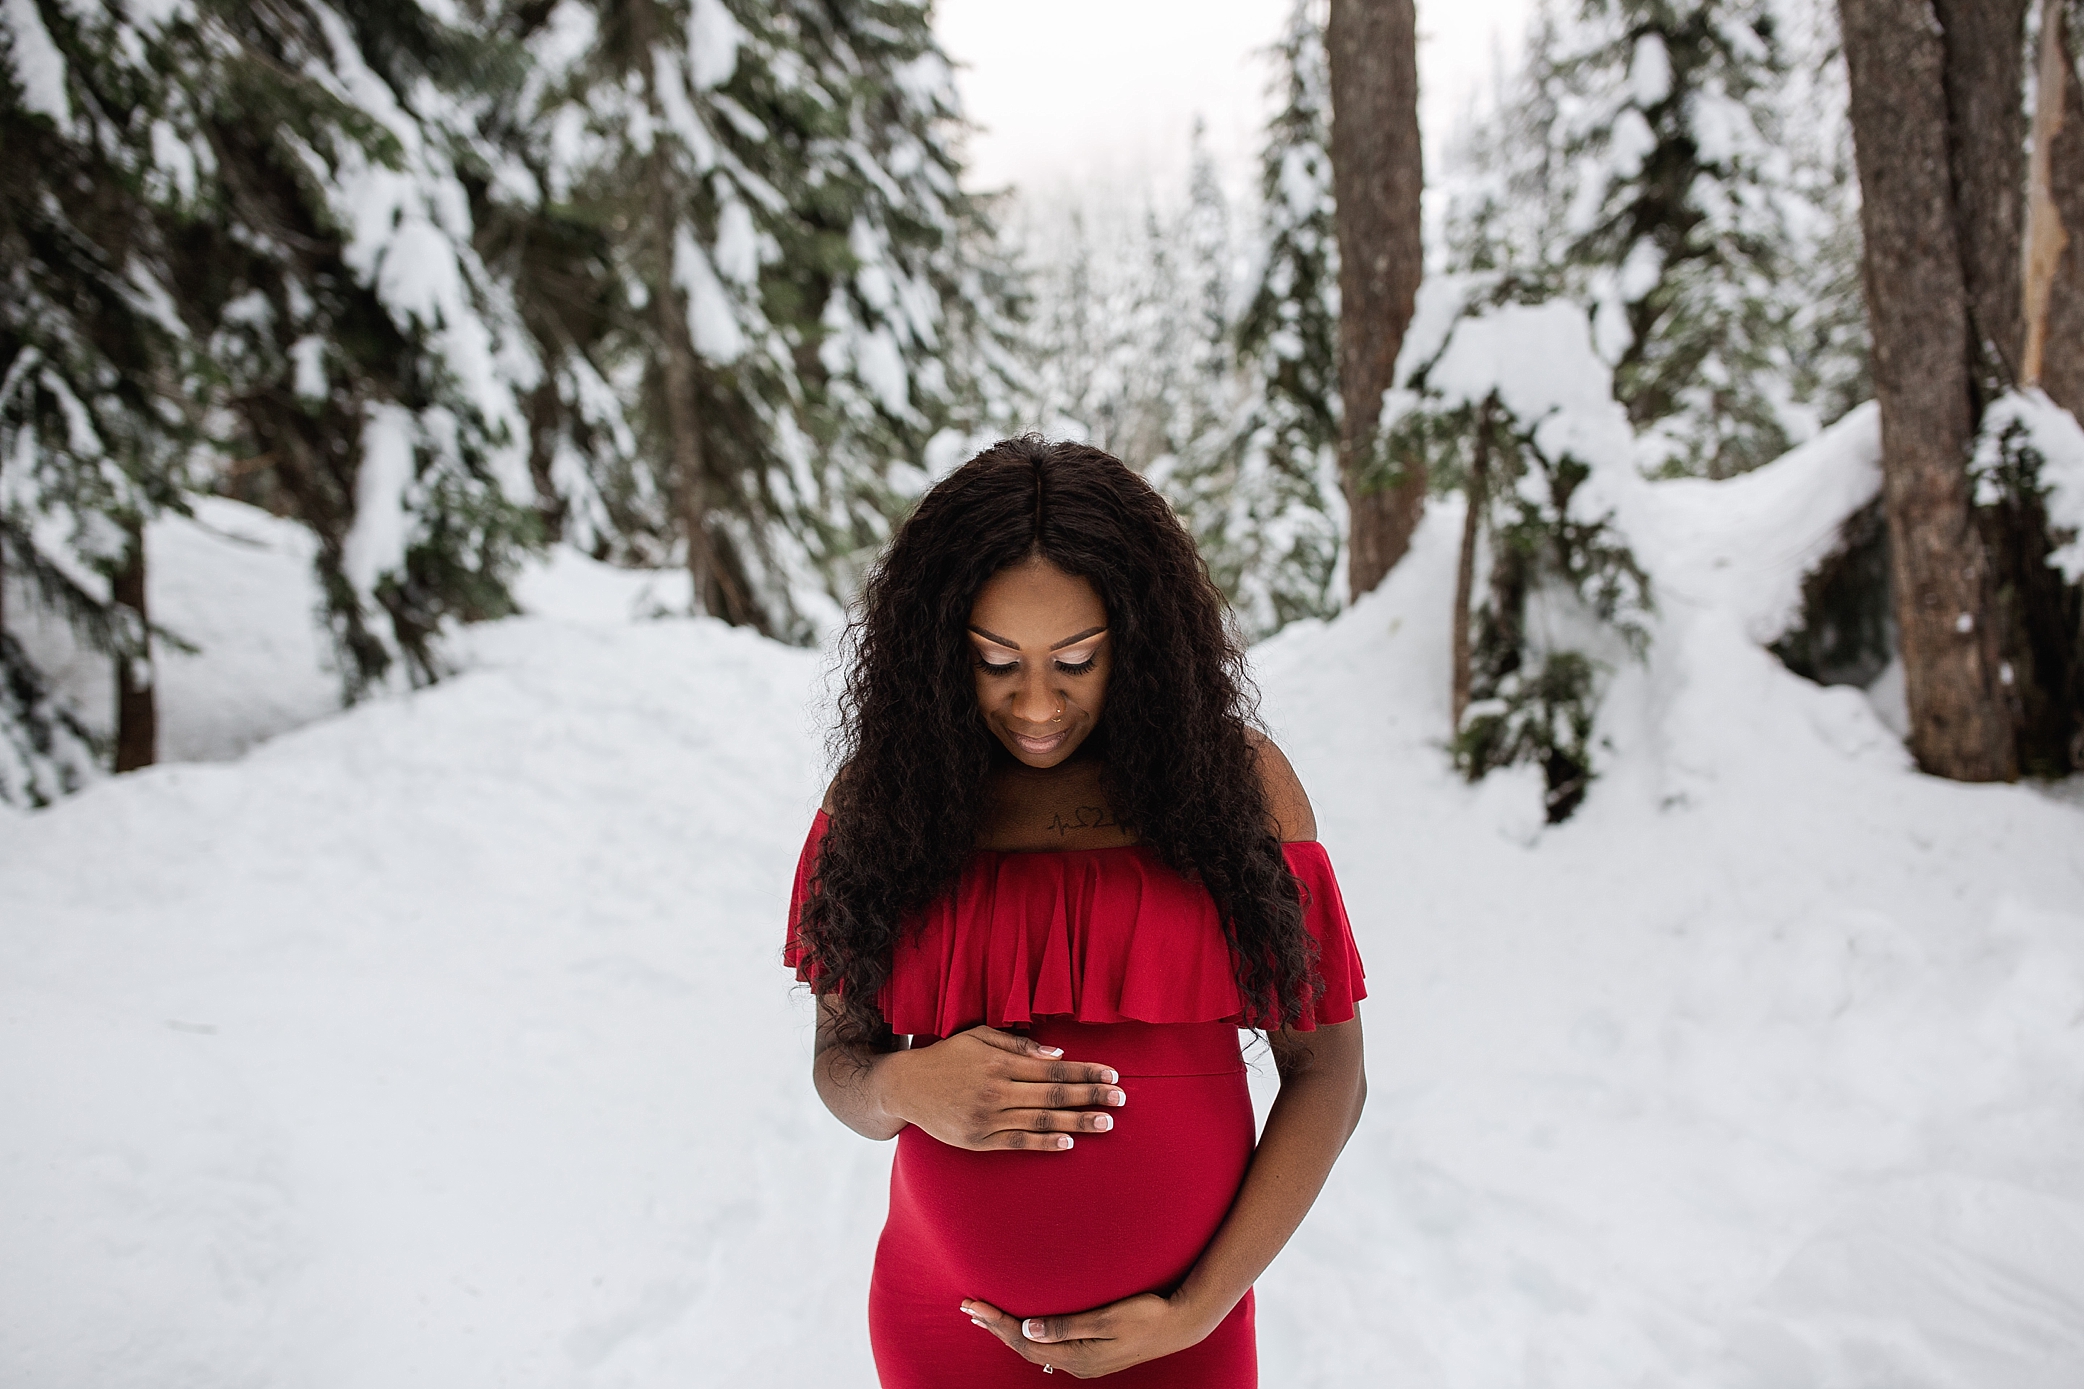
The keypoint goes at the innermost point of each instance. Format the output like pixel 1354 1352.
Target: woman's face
pixel 1039 639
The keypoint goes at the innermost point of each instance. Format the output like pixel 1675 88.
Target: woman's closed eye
pixel 991 667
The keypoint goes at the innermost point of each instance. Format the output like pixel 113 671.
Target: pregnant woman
pixel 1058 869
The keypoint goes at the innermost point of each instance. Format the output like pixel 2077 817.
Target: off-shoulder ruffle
pixel 1096 935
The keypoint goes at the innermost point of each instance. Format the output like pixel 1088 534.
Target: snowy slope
pixel 443 1043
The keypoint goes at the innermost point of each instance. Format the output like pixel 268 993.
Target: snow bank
pixel 444 1043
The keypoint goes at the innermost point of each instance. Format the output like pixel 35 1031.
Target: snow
pixel 711 321
pixel 38 65
pixel 444 1041
pixel 1649 72
pixel 2054 433
pixel 375 544
pixel 1540 361
pixel 713 37
pixel 307 357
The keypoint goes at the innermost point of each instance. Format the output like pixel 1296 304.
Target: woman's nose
pixel 1034 702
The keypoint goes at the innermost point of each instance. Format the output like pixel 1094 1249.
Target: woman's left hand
pixel 1099 1342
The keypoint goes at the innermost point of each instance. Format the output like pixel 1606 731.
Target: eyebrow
pixel 996 639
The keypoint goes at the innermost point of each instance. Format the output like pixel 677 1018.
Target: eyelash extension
pixel 1008 667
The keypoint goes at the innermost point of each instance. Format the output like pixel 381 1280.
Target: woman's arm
pixel 979 1089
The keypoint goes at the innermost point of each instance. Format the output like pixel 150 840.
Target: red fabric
pixel 1036 1234
pixel 1093 935
pixel 1116 959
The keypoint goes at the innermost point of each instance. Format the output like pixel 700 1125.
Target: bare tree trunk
pixel 1918 308
pixel 1478 494
pixel 2046 236
pixel 2044 617
pixel 137 701
pixel 1377 176
pixel 1983 46
pixel 2062 361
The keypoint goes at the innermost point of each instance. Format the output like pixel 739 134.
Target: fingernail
pixel 1050 1051
pixel 1031 1329
pixel 1117 1097
pixel 1064 1142
pixel 965 1310
pixel 975 1322
pixel 1109 1077
pixel 1104 1122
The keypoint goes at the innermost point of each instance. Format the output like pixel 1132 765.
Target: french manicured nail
pixel 1117 1097
pixel 1050 1051
pixel 1108 1077
pixel 1032 1330
pixel 1064 1141
pixel 1103 1122
pixel 975 1322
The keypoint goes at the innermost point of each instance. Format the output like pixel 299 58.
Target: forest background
pixel 703 285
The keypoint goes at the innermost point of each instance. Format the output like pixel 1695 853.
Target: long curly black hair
pixel 1180 765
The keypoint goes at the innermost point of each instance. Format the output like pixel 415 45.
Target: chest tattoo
pixel 1086 817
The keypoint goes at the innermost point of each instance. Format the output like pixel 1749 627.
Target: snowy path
pixel 443 1044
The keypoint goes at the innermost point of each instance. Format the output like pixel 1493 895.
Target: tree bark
pixel 2062 360
pixel 137 700
pixel 1984 51
pixel 1918 305
pixel 1377 177
pixel 1478 494
pixel 2046 235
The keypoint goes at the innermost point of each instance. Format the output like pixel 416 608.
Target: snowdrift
pixel 444 1042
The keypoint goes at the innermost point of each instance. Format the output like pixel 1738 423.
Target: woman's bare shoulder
pixel 1286 801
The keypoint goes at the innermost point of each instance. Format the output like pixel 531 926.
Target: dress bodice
pixel 1104 935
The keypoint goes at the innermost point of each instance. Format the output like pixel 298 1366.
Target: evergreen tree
pixel 1211 365
pixel 95 380
pixel 278 189
pixel 1258 480
pixel 1645 166
pixel 1513 408
pixel 794 271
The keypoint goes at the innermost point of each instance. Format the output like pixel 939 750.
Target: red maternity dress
pixel 1112 956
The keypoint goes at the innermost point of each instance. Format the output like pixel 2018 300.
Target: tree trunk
pixel 1377 176
pixel 2043 616
pixel 1984 47
pixel 2062 360
pixel 716 589
pixel 1918 309
pixel 1478 493
pixel 2046 235
pixel 137 702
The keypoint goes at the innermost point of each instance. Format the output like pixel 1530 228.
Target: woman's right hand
pixel 985 1089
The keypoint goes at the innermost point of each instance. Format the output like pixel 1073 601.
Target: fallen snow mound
pixel 443 1043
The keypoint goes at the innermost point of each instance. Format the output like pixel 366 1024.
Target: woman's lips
pixel 1039 747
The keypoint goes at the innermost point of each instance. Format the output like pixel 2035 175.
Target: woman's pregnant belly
pixel 1122 1212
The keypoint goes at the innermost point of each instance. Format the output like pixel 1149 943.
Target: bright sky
pixel 1106 91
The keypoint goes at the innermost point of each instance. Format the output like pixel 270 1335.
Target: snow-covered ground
pixel 443 1043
